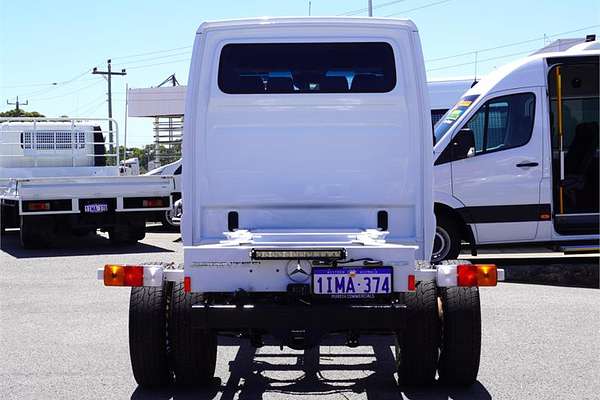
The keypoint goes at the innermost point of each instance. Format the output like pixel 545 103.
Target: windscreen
pixel 448 120
pixel 256 68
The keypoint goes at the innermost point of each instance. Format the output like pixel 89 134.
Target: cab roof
pixel 526 72
pixel 306 21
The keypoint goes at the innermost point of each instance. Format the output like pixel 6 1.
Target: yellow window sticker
pixel 464 103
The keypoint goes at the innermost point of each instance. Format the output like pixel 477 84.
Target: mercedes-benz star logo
pixel 299 270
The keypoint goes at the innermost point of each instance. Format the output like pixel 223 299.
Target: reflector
pixel 187 284
pixel 412 285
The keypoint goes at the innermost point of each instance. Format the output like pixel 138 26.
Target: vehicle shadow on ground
pixel 91 244
pixel 316 373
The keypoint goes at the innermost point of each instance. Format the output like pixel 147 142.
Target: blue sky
pixel 59 41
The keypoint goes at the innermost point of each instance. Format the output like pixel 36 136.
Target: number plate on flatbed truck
pixel 351 282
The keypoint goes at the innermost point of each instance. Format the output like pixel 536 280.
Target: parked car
pixel 170 218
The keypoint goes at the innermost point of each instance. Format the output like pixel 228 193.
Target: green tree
pixel 20 113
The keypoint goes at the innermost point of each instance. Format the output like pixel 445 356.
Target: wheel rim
pixel 441 244
pixel 169 215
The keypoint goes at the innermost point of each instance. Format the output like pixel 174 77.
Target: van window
pixel 437 115
pixel 450 118
pixel 503 123
pixel 253 68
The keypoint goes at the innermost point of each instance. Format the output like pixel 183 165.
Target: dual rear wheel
pixel 163 347
pixel 442 334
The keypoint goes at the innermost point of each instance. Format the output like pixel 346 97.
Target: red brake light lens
pixel 152 203
pixel 38 206
pixel 467 275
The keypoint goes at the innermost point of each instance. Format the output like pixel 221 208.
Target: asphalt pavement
pixel 64 336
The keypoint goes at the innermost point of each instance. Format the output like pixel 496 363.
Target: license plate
pixel 95 208
pixel 352 282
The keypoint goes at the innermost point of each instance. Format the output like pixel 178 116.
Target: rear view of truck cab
pixel 308 190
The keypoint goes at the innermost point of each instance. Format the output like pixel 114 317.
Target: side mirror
pixel 463 144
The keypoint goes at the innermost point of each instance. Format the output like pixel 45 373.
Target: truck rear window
pixel 253 68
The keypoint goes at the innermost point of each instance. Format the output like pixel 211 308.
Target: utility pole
pixel 309 8
pixel 370 8
pixel 17 103
pixel 109 73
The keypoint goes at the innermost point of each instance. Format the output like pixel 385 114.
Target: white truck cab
pixel 307 179
pixel 516 159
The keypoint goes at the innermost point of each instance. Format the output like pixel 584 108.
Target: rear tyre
pixel 417 345
pixel 148 346
pixel 36 231
pixel 194 351
pixel 461 335
pixel 446 242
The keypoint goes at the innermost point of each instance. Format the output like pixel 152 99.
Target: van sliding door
pixel 574 120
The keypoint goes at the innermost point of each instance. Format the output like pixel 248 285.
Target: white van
pixel 516 159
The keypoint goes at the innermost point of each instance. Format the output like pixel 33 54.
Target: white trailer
pixel 57 176
pixel 516 159
pixel 308 188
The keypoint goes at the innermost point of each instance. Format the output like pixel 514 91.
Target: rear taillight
pixel 477 275
pixel 149 203
pixel 123 275
pixel 38 206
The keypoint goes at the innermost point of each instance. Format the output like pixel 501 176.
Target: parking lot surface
pixel 63 335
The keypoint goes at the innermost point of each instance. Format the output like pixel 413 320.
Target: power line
pixel 362 10
pixel 151 52
pixel 65 82
pixel 435 3
pixel 510 44
pixel 481 61
pixel 161 63
pixel 155 58
pixel 69 93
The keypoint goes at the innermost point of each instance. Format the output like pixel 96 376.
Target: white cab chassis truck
pixel 309 211
pixel 516 159
pixel 61 176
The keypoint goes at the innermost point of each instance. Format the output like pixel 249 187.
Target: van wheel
pixel 194 351
pixel 148 345
pixel 166 220
pixel 461 335
pixel 446 242
pixel 35 231
pixel 417 345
